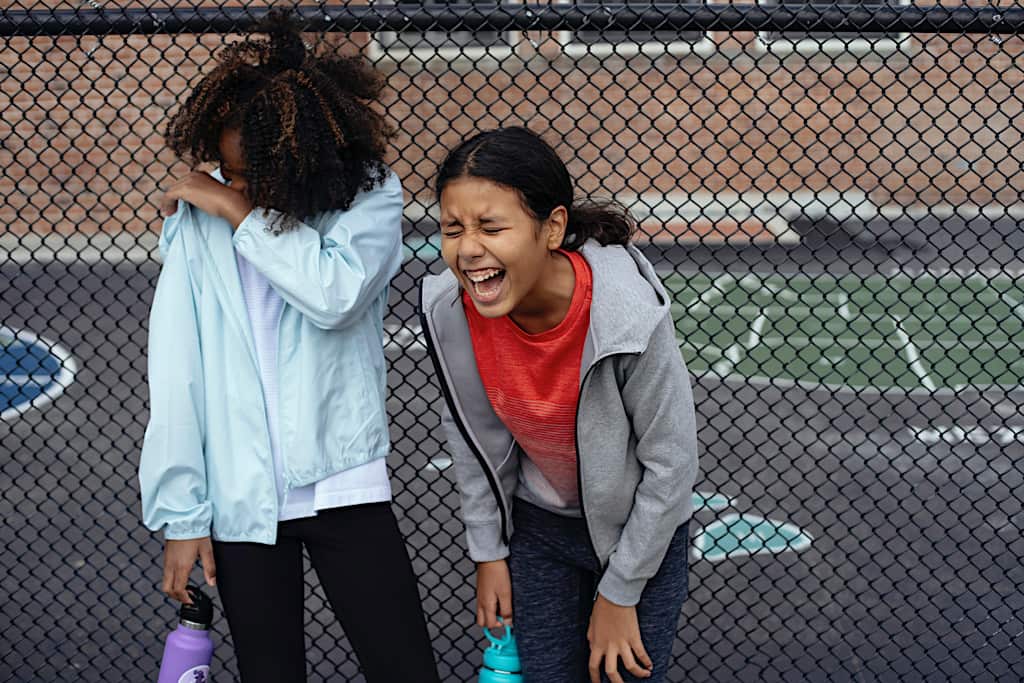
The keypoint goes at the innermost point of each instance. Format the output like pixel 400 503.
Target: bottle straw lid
pixel 502 655
pixel 200 611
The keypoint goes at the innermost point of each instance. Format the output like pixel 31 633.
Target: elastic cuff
pixel 185 531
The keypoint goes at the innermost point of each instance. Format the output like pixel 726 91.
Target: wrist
pixel 236 211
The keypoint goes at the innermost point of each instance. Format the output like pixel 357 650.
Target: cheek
pixel 449 252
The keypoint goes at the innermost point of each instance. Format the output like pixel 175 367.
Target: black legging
pixel 360 557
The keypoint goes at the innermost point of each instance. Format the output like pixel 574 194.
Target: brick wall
pixel 938 121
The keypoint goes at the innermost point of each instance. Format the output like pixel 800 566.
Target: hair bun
pixel 286 50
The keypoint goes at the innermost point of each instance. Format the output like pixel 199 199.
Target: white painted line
pixel 732 354
pixel 1016 307
pixel 913 355
pixel 978 435
pixel 988 211
pixel 844 307
pixel 399 337
pixel 80 248
pixel 438 463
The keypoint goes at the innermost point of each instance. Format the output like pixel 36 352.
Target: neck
pixel 548 303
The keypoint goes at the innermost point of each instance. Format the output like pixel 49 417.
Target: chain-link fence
pixel 831 192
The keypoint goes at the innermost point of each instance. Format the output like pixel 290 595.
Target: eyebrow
pixel 485 219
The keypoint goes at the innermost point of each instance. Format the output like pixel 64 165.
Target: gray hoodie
pixel 636 437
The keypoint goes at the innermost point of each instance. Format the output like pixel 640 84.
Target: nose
pixel 470 247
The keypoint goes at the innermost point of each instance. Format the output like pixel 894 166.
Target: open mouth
pixel 486 283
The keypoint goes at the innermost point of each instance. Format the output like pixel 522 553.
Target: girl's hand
pixel 179 558
pixel 615 632
pixel 493 594
pixel 204 192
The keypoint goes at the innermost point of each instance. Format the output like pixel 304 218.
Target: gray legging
pixel 554 579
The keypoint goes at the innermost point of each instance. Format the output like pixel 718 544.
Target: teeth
pixel 481 275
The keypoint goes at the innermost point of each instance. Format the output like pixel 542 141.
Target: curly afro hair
pixel 310 138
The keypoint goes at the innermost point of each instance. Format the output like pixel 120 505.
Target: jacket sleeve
pixel 331 279
pixel 172 467
pixel 658 397
pixel 480 511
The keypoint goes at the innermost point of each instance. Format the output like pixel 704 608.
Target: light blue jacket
pixel 206 464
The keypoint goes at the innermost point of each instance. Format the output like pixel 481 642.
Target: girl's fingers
pixel 168 205
pixel 480 620
pixel 177 190
pixel 180 582
pixel 167 585
pixel 488 607
pixel 169 202
pixel 505 606
pixel 641 655
pixel 595 666
pixel 632 666
pixel 209 565
pixel 611 666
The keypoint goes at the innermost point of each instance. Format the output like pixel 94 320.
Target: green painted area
pixel 923 332
pixel 736 535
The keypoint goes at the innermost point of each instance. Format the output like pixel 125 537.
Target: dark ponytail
pixel 520 160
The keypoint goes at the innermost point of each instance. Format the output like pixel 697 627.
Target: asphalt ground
pixel 910 495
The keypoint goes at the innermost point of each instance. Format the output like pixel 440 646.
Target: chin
pixel 495 310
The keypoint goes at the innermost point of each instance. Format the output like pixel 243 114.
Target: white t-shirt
pixel 366 483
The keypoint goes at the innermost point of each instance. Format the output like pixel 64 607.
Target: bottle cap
pixel 502 655
pixel 200 612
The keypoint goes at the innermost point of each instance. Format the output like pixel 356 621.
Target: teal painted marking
pixel 736 535
pixel 704 500
pixel 422 247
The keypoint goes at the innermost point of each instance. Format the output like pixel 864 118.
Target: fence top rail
pixel 98 20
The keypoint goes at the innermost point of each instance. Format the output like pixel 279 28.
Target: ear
pixel 556 224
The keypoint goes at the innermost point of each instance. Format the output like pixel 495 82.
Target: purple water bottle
pixel 189 648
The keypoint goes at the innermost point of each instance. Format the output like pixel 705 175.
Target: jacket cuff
pixel 185 531
pixel 485 544
pixel 620 590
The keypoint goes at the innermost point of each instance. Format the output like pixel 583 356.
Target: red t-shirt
pixel 532 381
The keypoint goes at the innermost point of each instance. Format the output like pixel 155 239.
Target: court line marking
pixel 913 356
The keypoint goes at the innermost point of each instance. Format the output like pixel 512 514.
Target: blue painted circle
pixel 33 371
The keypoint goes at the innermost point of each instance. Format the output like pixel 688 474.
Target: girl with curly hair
pixel 268 430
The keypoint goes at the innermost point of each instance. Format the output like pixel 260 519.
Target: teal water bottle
pixel 501 660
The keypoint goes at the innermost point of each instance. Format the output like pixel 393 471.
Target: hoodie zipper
pixel 492 477
pixel 579 466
